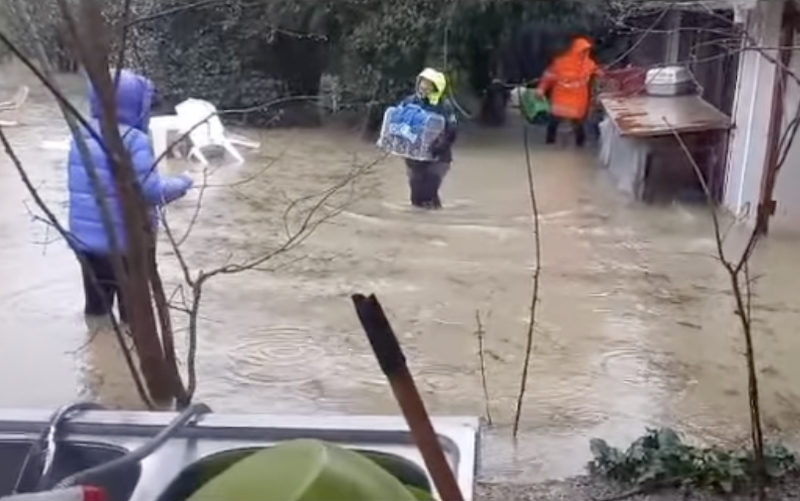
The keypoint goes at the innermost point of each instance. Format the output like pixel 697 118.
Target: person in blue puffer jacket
pixel 88 236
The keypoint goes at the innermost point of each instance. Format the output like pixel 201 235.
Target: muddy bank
pixel 588 489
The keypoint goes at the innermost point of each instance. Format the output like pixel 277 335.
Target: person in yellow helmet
pixel 425 178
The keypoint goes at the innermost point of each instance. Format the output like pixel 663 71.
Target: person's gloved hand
pixel 188 180
pixel 437 149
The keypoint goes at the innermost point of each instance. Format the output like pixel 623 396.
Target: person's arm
pixel 450 132
pixel 451 122
pixel 546 82
pixel 596 82
pixel 598 71
pixel 409 99
pixel 158 190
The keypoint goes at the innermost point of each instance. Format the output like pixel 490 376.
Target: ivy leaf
pixel 668 439
pixel 599 448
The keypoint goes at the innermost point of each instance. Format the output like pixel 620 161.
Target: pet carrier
pixel 409 131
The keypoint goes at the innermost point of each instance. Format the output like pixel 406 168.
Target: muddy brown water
pixel 636 322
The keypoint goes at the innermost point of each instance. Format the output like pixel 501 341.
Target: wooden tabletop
pixel 652 116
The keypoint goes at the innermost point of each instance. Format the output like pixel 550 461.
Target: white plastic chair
pixel 56 145
pixel 14 106
pixel 199 119
pixel 161 128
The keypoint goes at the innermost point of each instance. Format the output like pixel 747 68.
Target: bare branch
pixel 480 334
pixel 537 269
pixel 742 294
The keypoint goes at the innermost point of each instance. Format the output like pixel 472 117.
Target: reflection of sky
pixel 621 387
pixel 40 294
pixel 625 377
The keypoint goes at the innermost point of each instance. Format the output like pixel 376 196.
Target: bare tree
pixel 535 281
pixel 737 266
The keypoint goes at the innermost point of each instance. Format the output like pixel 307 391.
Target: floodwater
pixel 636 326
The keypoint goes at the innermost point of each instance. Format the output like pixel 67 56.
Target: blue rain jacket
pixel 134 97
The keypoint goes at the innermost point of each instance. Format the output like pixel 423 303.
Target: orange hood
pixel 580 45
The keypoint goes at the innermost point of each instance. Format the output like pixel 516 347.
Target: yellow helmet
pixel 439 81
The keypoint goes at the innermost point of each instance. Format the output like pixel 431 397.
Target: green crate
pixel 533 107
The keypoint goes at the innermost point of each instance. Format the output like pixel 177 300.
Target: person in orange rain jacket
pixel 568 81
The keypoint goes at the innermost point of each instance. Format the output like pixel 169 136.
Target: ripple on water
pixel 454 381
pixel 294 356
pixel 452 205
pixel 278 356
pixel 458 214
pixel 630 366
pixel 51 299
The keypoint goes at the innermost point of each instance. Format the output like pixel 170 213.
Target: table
pixel 639 147
pixel 653 116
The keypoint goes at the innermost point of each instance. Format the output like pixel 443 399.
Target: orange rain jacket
pixel 569 79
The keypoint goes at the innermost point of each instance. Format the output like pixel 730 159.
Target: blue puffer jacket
pixel 134 97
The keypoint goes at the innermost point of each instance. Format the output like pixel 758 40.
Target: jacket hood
pixel 581 45
pixel 134 100
pixel 438 80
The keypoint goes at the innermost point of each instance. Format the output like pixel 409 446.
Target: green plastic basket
pixel 533 107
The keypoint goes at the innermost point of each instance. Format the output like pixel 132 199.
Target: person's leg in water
pixel 435 176
pixel 425 179
pixel 98 296
pixel 100 286
pixel 416 181
pixel 430 175
pixel 116 290
pixel 579 129
pixel 552 129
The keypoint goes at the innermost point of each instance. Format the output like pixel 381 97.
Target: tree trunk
pixel 135 280
pixel 300 61
pixel 135 275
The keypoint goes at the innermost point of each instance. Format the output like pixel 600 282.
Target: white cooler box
pixel 669 81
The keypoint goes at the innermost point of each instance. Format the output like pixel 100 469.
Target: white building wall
pixel 787 183
pixel 751 111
